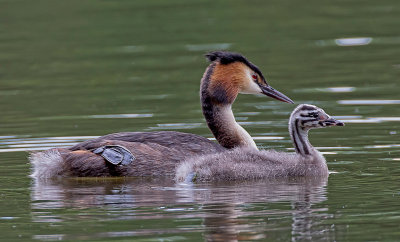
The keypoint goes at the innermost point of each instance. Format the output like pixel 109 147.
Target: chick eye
pixel 322 117
pixel 254 76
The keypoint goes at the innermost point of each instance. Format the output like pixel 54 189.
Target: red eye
pixel 254 76
pixel 322 117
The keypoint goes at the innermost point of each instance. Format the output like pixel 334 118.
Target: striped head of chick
pixel 231 73
pixel 309 117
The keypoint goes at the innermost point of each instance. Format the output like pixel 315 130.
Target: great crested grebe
pixel 158 153
pixel 247 163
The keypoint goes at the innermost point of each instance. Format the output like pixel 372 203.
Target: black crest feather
pixel 225 57
pixel 305 107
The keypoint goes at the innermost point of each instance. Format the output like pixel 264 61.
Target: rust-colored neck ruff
pixel 219 88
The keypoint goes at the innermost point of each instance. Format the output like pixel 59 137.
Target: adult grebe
pixel 247 163
pixel 157 153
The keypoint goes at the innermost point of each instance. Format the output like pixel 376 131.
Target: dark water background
pixel 71 70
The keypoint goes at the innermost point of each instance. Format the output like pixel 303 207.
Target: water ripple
pixel 382 146
pixel 360 119
pixel 132 115
pixel 328 89
pixel 207 47
pixel 176 126
pixel 133 48
pixel 353 41
pixel 368 102
pixel 19 144
pixel 100 116
pixel 338 89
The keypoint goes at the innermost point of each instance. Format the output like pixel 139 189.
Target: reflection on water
pixel 14 143
pixel 368 102
pixel 227 211
pixel 381 146
pixel 353 41
pixel 338 89
pixel 176 126
pixel 360 119
pixel 207 47
pixel 104 116
pixel 359 41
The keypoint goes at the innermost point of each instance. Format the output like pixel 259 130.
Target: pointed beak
pixel 333 122
pixel 269 91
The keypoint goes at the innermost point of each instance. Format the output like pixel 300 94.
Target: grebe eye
pixel 254 76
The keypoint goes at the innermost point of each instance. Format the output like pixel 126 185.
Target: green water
pixel 71 70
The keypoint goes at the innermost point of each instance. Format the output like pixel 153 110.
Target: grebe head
pixel 231 73
pixel 313 117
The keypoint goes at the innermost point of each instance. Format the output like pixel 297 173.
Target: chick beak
pixel 269 91
pixel 333 122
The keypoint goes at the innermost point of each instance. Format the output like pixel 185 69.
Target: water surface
pixel 73 70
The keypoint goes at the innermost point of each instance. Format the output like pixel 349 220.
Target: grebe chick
pixel 248 163
pixel 158 153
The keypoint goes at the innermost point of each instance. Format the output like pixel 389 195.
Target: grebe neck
pixel 299 138
pixel 216 101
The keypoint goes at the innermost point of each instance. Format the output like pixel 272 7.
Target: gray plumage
pixel 248 163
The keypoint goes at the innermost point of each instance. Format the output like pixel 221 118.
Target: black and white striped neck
pixel 299 137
